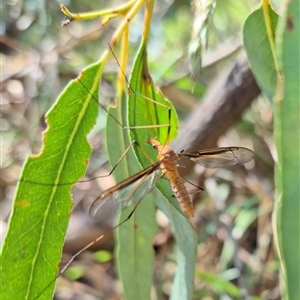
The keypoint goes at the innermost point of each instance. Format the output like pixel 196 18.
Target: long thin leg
pixel 87 247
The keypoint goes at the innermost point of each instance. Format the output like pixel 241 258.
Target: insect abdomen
pixel 181 192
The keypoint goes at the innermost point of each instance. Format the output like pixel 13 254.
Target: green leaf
pixel 74 273
pixel 259 52
pixel 102 256
pixel 186 243
pixel 287 136
pixel 32 249
pixel 203 13
pixel 220 285
pixel 134 250
pixel 143 112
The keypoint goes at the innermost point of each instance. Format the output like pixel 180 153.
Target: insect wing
pixel 221 157
pixel 123 195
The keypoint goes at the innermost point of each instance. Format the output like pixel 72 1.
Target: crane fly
pixel 136 187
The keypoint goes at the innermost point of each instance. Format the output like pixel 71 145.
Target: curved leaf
pixel 259 52
pixel 143 112
pixel 287 136
pixel 134 252
pixel 31 252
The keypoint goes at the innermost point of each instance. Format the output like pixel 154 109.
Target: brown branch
pixel 222 107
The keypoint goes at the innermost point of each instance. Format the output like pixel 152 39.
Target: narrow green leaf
pixel 287 136
pixel 203 13
pixel 187 242
pixel 32 249
pixel 220 285
pixel 74 273
pixel 142 112
pixel 134 251
pixel 258 49
pixel 102 256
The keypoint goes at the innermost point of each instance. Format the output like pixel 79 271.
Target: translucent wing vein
pixel 220 157
pixel 125 194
